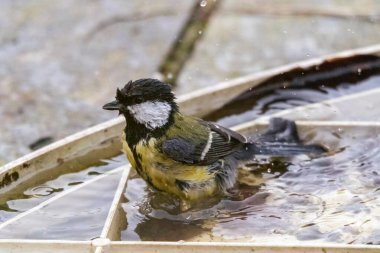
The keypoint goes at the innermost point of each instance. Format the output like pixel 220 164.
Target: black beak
pixel 112 106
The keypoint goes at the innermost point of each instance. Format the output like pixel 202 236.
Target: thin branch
pixel 190 34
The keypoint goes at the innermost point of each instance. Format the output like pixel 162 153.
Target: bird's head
pixel 149 102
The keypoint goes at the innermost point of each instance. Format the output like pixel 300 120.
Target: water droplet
pixel 269 170
pixel 359 71
pixel 200 32
pixel 203 3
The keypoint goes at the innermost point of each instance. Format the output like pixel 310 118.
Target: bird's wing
pixel 218 143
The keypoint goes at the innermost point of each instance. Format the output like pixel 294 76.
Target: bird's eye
pixel 138 99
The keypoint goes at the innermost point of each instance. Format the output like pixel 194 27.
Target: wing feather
pixel 220 142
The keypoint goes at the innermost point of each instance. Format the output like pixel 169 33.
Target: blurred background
pixel 60 61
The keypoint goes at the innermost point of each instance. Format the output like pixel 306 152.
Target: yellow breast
pixel 163 172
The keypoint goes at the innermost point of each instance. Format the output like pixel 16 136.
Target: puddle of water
pixel 332 199
pixel 79 215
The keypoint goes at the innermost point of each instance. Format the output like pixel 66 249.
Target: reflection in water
pixel 266 101
pixel 42 190
pixel 333 198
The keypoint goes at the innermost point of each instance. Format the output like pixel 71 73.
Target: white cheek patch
pixel 152 114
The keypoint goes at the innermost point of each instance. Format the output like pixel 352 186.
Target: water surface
pixel 79 215
pixel 333 198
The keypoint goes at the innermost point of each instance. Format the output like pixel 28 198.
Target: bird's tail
pixel 280 139
pixel 285 149
pixel 251 150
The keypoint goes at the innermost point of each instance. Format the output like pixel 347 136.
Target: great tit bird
pixel 186 156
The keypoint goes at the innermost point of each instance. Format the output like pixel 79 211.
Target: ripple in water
pixel 334 198
pixel 12 204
